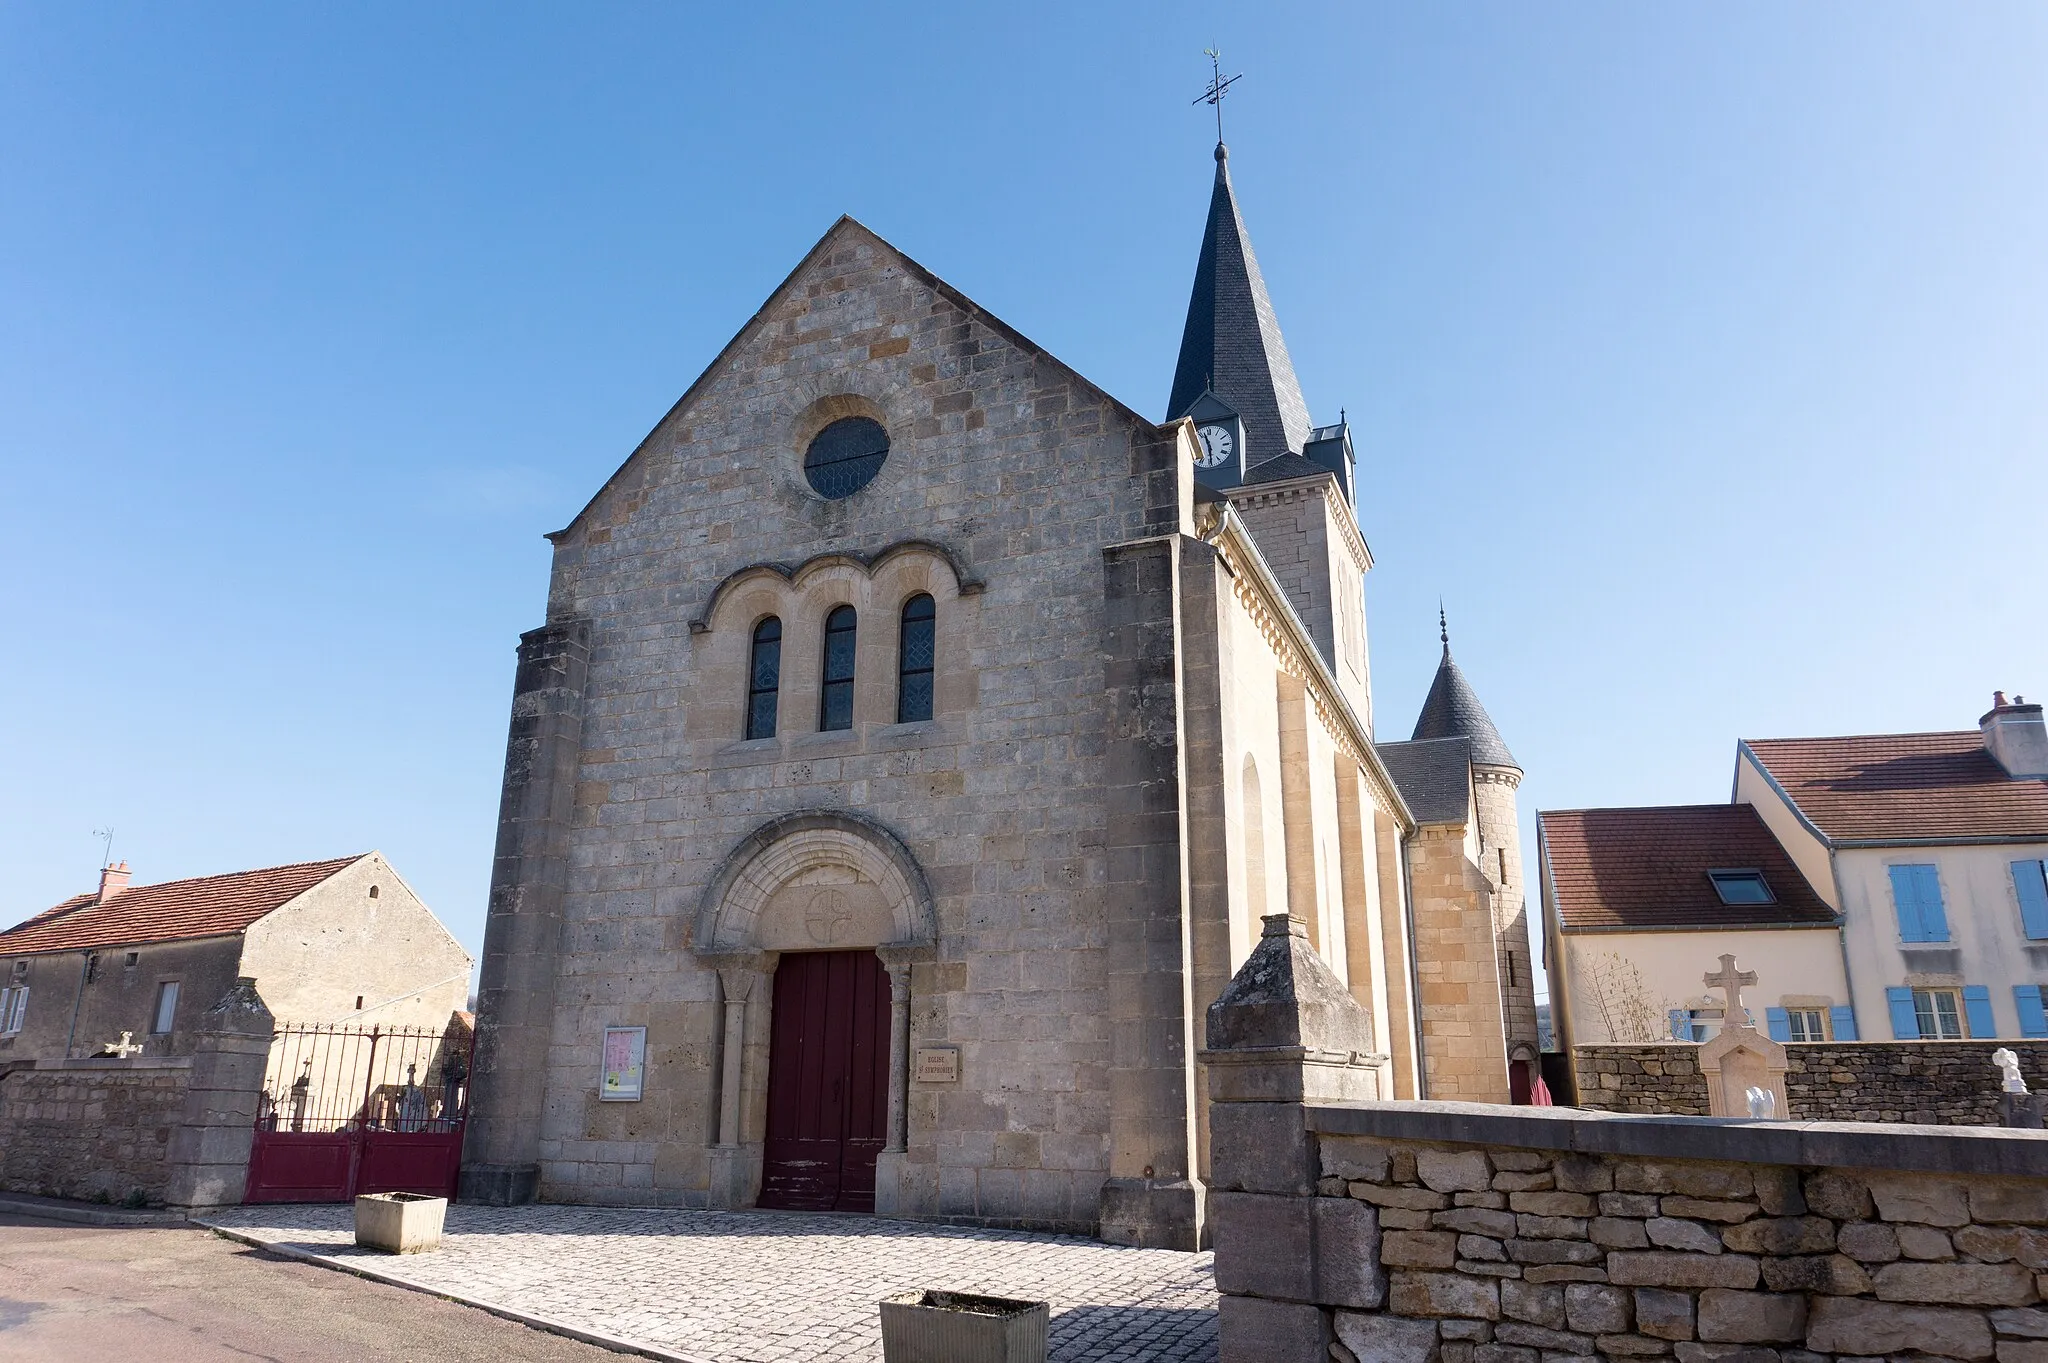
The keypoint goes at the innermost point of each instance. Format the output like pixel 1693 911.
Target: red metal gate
pixel 828 1082
pixel 349 1110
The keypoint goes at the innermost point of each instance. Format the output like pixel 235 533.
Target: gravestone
pixel 1740 1058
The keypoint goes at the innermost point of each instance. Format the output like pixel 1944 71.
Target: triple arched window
pixel 916 657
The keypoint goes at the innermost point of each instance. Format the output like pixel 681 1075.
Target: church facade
pixel 917 736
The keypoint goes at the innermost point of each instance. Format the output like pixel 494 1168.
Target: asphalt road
pixel 178 1295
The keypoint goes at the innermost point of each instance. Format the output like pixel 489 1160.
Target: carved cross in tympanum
pixel 1729 981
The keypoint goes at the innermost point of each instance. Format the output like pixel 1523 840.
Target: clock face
pixel 1217 446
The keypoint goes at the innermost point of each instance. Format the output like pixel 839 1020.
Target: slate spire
pixel 1232 344
pixel 1452 710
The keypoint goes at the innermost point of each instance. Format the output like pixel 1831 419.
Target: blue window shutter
pixel 1681 1024
pixel 1906 902
pixel 2032 884
pixel 1779 1022
pixel 1933 916
pixel 2033 1016
pixel 1977 1008
pixel 1842 1018
pixel 1905 1027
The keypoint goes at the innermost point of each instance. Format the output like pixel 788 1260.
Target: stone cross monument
pixel 1740 1060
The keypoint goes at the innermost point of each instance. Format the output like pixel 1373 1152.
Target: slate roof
pixel 1646 869
pixel 1231 344
pixel 206 906
pixel 1899 787
pixel 1434 776
pixel 1452 710
pixel 1282 466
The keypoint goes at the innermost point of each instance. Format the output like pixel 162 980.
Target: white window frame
pixel 13 1008
pixel 1933 1013
pixel 1817 1016
pixel 165 988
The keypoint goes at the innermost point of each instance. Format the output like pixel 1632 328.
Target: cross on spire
pixel 1729 981
pixel 1218 87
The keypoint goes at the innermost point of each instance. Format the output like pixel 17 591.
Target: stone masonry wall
pixel 1558 1235
pixel 1928 1083
pixel 99 1133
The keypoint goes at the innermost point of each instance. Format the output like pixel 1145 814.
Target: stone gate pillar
pixel 1284 1035
pixel 209 1152
pixel 523 930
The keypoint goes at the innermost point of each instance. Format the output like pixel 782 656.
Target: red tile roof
pixel 1646 869
pixel 1883 787
pixel 208 906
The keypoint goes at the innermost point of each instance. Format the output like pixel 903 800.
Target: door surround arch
pixel 747 906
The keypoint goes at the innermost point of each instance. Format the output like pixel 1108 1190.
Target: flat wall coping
pixel 1853 1145
pixel 102 1064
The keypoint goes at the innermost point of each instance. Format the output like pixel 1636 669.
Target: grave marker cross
pixel 1729 981
pixel 122 1049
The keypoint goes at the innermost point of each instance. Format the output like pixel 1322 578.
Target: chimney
pixel 2015 734
pixel 114 879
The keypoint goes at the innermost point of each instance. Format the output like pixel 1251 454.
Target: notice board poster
pixel 625 1064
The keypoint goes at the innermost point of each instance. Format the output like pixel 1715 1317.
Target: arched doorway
pixel 813 922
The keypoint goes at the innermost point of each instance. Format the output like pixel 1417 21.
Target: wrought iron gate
pixel 348 1110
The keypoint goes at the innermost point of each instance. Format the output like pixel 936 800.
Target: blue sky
pixel 1694 355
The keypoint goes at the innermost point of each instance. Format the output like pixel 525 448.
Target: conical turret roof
pixel 1231 345
pixel 1452 710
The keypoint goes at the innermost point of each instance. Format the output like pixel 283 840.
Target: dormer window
pixel 1741 887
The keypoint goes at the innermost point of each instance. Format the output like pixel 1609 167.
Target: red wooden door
pixel 828 1082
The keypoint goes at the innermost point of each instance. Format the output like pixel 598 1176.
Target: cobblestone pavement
pixel 762 1287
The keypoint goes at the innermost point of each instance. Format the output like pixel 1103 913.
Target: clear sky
pixel 1694 354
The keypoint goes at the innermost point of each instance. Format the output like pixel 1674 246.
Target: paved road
pixel 178 1295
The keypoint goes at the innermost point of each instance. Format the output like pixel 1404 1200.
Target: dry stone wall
pixel 98 1133
pixel 1455 1233
pixel 1927 1083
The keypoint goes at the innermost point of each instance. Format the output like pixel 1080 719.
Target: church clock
pixel 1218 444
pixel 1219 441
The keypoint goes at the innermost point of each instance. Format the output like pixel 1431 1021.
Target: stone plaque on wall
pixel 938 1065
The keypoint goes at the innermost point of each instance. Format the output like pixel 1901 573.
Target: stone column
pixel 736 1162
pixel 1285 1034
pixel 523 928
pixel 889 1199
pixel 208 1154
pixel 1152 1197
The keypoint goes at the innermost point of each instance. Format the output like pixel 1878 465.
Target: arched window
pixel 1254 841
pixel 914 650
pixel 835 699
pixel 764 678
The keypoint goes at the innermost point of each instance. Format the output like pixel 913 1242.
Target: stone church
pixel 917 736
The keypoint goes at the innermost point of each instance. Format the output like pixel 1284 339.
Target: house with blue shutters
pixel 1930 849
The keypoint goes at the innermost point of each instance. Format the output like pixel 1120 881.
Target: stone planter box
pixel 400 1223
pixel 959 1327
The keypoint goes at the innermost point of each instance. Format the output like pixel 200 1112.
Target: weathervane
pixel 1218 87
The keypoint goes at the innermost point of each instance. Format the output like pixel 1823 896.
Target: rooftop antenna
pixel 106 837
pixel 1218 86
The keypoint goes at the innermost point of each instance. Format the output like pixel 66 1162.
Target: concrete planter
pixel 400 1223
pixel 959 1327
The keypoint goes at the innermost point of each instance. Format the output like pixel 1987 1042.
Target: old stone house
pixel 915 739
pixel 341 941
